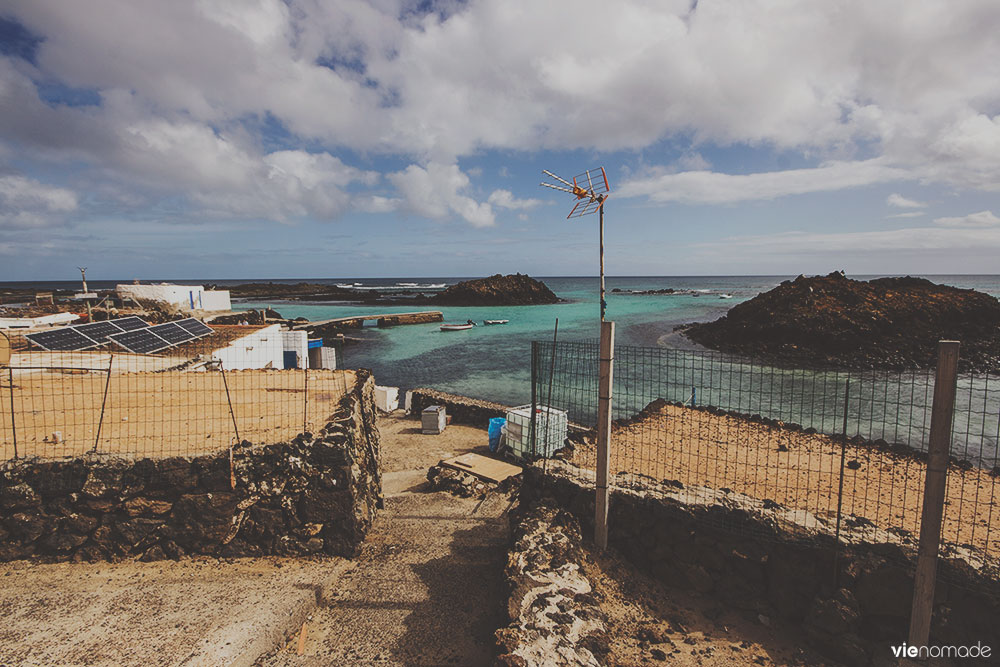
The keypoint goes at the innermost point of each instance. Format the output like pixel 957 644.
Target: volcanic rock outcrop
pixel 497 290
pixel 833 321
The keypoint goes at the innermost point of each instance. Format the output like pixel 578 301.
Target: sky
pixel 307 138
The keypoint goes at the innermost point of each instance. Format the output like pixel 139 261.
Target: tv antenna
pixel 591 191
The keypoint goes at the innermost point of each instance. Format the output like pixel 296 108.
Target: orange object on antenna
pixel 590 188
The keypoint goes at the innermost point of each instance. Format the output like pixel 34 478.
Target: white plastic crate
pixel 550 431
pixel 433 420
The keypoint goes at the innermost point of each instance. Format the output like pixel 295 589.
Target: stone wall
pixel 554 618
pixel 461 409
pixel 778 564
pixel 315 494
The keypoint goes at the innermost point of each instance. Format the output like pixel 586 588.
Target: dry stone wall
pixel 762 559
pixel 317 494
pixel 461 409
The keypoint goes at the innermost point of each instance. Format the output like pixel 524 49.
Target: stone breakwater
pixel 778 564
pixel 317 494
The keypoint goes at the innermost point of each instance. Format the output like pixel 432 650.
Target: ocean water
pixel 494 362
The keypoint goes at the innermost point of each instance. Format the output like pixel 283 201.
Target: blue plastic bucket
pixel 496 429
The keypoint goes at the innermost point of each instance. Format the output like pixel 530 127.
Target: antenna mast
pixel 591 191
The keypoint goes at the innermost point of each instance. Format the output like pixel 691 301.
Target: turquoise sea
pixel 494 362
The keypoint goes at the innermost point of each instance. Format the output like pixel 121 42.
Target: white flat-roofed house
pixel 184 297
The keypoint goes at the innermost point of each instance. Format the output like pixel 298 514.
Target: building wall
pixel 40 321
pixel 186 297
pixel 256 350
pixel 216 300
pixel 297 341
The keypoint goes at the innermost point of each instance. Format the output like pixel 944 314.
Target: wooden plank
pixel 483 467
pixel 939 444
pixel 301 648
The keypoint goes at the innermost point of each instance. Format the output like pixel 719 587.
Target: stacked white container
pixel 550 430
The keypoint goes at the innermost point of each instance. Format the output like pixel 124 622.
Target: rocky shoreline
pixel 496 290
pixel 835 322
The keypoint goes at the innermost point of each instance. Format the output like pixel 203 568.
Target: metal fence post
pixel 13 424
pixel 104 402
pixel 938 447
pixel 604 387
pixel 534 392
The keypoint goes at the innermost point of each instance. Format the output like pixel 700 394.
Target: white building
pixel 270 347
pixel 36 322
pixel 184 297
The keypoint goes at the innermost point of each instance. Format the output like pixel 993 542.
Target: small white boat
pixel 725 296
pixel 489 322
pixel 456 327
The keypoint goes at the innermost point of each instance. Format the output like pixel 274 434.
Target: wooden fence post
pixel 604 387
pixel 938 448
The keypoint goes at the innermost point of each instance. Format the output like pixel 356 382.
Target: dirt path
pixel 427 588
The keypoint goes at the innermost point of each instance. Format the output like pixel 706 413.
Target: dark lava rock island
pixel 833 321
pixel 497 290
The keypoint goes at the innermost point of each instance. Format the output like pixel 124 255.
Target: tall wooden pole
pixel 606 382
pixel 604 303
pixel 934 487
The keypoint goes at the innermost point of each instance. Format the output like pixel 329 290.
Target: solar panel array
pixel 131 333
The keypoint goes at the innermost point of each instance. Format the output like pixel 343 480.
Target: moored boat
pixel 456 327
pixel 489 322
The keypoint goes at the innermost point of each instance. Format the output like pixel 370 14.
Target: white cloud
pixel 973 220
pixel 707 187
pixel 185 85
pixel 506 199
pixel 436 191
pixel 899 201
pixel 908 214
pixel 25 202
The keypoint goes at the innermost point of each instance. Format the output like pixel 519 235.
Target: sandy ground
pixel 426 590
pixel 202 612
pixel 649 623
pixel 802 471
pixel 162 414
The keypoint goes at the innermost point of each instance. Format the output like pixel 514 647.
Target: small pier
pixel 384 320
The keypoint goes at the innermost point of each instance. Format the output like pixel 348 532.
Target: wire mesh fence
pixel 844 449
pixel 202 396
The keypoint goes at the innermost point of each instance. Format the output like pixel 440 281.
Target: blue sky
pixel 145 139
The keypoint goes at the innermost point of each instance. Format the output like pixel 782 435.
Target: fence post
pixel 534 391
pixel 604 387
pixel 13 424
pixel 933 508
pixel 104 402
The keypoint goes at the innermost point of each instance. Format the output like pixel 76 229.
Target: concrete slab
pixel 194 612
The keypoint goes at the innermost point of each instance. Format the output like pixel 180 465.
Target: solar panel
pixel 65 338
pixel 195 327
pixel 172 333
pixel 98 331
pixel 141 341
pixel 130 323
